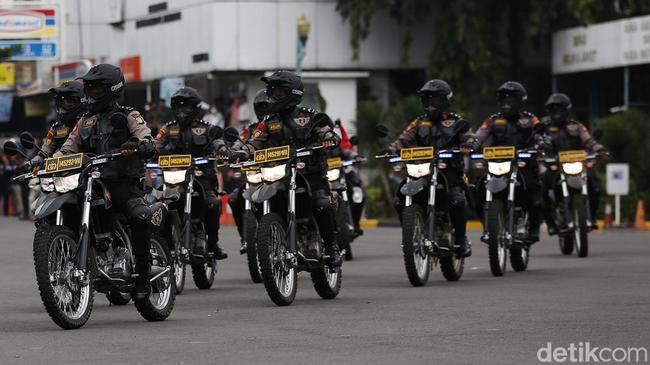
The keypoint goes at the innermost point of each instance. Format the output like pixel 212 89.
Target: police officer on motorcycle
pixel 514 126
pixel 289 124
pixel 109 127
pixel 563 133
pixel 443 130
pixel 188 134
pixel 236 200
pixel 68 107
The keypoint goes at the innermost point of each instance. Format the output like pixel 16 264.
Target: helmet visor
pixel 95 91
pixel 431 100
pixel 183 107
pixel 278 92
pixel 66 103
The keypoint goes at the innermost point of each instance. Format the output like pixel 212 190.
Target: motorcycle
pixel 187 235
pixel 505 221
pixel 288 240
pixel 336 174
pixel 78 252
pixel 573 213
pixel 427 232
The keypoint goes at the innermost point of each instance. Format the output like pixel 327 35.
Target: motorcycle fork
pixel 585 194
pixel 511 203
pixel 568 216
pixel 59 217
pixel 247 208
pixel 408 200
pixel 82 257
pixel 187 213
pixel 486 208
pixel 344 196
pixel 291 239
pixel 431 206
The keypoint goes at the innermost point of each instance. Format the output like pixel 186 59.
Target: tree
pixel 477 43
pixel 6 53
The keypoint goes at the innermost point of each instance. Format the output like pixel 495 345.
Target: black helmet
pixel 261 104
pixel 186 105
pixel 558 106
pixel 68 101
pixel 435 97
pixel 103 86
pixel 284 90
pixel 511 97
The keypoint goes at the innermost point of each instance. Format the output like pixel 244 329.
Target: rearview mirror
pixel 230 134
pixel 10 148
pixel 27 140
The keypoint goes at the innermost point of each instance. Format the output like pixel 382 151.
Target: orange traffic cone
pixel 609 219
pixel 639 222
pixel 226 217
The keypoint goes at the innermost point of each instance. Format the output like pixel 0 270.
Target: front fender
pixel 413 187
pixel 574 182
pixel 51 203
pixel 496 184
pixel 337 186
pixel 266 192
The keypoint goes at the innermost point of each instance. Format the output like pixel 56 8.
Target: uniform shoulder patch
pixel 412 125
pixel 89 122
pixel 138 118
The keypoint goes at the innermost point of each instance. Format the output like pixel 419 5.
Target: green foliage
pixel 6 53
pixel 626 135
pixel 478 42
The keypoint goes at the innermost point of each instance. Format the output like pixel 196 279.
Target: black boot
pixel 334 258
pixel 463 247
pixel 217 252
pixel 142 287
pixel 552 229
pixel 533 235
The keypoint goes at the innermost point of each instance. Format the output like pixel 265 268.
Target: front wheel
pixel 581 230
pixel 68 299
pixel 519 258
pixel 326 282
pixel 160 303
pixel 346 231
pixel 416 259
pixel 279 277
pixel 251 246
pixel 496 243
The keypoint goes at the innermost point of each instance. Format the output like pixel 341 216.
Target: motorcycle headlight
pixel 253 177
pixel 47 184
pixel 333 174
pixel 499 168
pixel 271 174
pixel 67 183
pixel 572 168
pixel 418 170
pixel 174 177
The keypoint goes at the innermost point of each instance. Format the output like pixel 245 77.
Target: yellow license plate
pixel 272 154
pixel 334 163
pixel 498 153
pixel 174 161
pixel 572 156
pixel 64 163
pixel 416 153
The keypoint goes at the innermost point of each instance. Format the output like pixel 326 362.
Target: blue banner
pixel 32 50
pixel 5 106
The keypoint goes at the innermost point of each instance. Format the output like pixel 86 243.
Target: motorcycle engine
pixel 308 241
pixel 120 265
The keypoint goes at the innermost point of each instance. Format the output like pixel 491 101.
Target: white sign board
pixel 604 45
pixel 618 179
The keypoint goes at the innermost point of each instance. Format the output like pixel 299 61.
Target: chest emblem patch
pixel 302 121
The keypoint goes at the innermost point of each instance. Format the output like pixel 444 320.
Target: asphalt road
pixel 378 317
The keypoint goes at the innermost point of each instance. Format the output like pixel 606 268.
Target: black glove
pixel 224 154
pixel 473 145
pixel 23 169
pixel 146 148
pixel 130 145
pixel 603 153
pixel 388 151
pixel 38 160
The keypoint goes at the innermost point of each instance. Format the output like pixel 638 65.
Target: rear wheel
pixel 581 231
pixel 203 274
pixel 280 279
pixel 416 260
pixel 564 240
pixel 251 246
pixel 327 283
pixel 519 258
pixel 496 243
pixel 160 303
pixel 67 299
